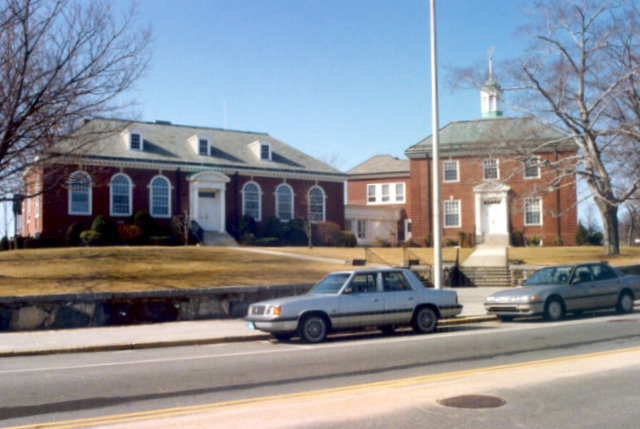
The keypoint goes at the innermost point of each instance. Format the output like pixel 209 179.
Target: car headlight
pixel 524 298
pixel 274 310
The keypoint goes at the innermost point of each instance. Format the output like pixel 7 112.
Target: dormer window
pixel 203 147
pixel 200 144
pixel 261 150
pixel 134 139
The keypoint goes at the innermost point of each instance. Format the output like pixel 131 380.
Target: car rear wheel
pixel 313 329
pixel 625 303
pixel 505 318
pixel 554 310
pixel 425 321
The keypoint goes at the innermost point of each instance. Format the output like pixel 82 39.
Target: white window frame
pixel 536 161
pixel 385 193
pixel 208 145
pixel 264 145
pixel 361 229
pixel 152 196
pixel 313 215
pixel 111 195
pixel 37 197
pixel 141 142
pixel 279 212
pixel 371 196
pixel 71 190
pixel 257 218
pixel 400 192
pixel 446 166
pixel 530 203
pixel 447 208
pixel 485 168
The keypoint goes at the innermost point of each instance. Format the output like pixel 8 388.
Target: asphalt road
pixel 375 374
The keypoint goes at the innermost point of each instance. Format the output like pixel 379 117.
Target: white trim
pixel 259 217
pixel 292 202
pixel 444 170
pixel 130 202
pixel 444 213
pixel 208 181
pixel 324 208
pixel 526 204
pixel 169 192
pixel 70 183
pixel 391 195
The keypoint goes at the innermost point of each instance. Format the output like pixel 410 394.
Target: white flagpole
pixel 437 230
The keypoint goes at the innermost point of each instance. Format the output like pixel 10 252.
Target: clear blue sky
pixel 341 80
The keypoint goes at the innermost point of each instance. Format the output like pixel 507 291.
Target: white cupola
pixel 491 94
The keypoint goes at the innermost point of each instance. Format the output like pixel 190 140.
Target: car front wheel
pixel 625 303
pixel 554 310
pixel 425 321
pixel 313 329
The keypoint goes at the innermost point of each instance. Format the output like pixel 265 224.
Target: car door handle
pixel 410 298
pixel 375 299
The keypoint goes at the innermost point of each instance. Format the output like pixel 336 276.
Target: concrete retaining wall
pixel 112 309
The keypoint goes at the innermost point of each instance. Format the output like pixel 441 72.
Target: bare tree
pixel 61 61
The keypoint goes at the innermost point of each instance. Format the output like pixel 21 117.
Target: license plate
pixel 251 326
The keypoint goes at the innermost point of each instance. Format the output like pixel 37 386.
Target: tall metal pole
pixel 437 230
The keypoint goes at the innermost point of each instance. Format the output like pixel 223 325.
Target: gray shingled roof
pixel 165 143
pixel 381 164
pixel 471 137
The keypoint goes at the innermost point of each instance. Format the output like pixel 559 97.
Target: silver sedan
pixel 554 291
pixel 383 298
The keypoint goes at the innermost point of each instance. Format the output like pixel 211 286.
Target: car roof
pixel 369 270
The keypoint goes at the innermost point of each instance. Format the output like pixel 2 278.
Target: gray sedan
pixel 383 298
pixel 554 291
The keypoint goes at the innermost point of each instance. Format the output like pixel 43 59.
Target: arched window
pixel 251 201
pixel 316 204
pixel 284 202
pixel 120 195
pixel 160 197
pixel 79 193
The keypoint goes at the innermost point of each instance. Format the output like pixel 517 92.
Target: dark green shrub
pixel 462 238
pixel 294 234
pixel 535 240
pixel 179 228
pixel 73 234
pixel 247 225
pixel 90 237
pixel 517 238
pixel 4 243
pixel 143 220
pixel 17 242
pixel 582 235
pixel 380 242
pixel 273 228
pixel 267 241
pixel 107 229
pixel 428 240
pixel 558 242
pixel 346 239
pixel 449 242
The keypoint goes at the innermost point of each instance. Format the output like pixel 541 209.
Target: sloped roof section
pixel 165 143
pixel 494 135
pixel 381 164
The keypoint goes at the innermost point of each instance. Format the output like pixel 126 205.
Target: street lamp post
pixel 437 230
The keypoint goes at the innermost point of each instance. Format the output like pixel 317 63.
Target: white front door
pixel 208 210
pixel 493 217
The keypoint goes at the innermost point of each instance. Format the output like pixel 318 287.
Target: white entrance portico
pixel 207 199
pixel 492 215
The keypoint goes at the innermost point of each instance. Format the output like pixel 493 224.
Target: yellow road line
pixel 402 382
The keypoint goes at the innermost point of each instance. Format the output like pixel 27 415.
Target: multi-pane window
pixel 284 203
pixel 371 193
pixel 452 213
pixel 251 201
pixel 135 141
pixel 532 168
pixel 386 193
pixel 120 195
pixel 533 211
pixel 490 169
pixel 265 151
pixel 450 171
pixel 160 197
pixel 203 146
pixel 361 229
pixel 316 204
pixel 399 192
pixel 79 193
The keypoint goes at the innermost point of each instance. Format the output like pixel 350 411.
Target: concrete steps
pixel 484 277
pixel 216 238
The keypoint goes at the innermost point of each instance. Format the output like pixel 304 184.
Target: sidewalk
pixel 180 333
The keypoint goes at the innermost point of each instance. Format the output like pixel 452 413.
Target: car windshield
pixel 550 276
pixel 331 284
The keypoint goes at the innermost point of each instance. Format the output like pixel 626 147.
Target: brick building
pixel 215 176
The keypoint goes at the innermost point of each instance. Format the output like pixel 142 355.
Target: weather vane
pixel 490 52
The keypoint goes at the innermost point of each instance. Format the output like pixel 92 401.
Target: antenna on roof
pixel 490 52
